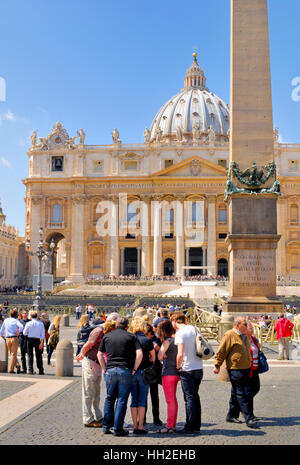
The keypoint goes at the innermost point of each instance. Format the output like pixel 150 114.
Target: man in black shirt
pixel 124 355
pixel 23 341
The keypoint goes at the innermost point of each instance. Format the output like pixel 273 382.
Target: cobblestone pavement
pixel 8 388
pixel 58 420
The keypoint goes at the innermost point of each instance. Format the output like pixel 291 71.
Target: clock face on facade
pixel 58 140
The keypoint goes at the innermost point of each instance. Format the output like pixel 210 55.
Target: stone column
pixel 114 237
pixel 122 253
pixel 145 231
pixel 77 239
pixel 139 261
pixel 187 259
pixel 36 203
pixel 211 234
pixel 179 233
pixel 204 258
pixel 157 239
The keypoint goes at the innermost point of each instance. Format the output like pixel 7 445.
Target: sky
pixel 101 64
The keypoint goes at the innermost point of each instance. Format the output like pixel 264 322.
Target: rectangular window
pixel 170 216
pixel 98 166
pixel 222 215
pixel 168 163
pixel 57 163
pixel 130 165
pixel 222 236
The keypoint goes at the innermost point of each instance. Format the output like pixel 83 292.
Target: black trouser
pixel 33 343
pixel 23 349
pixel 254 386
pixel 241 399
pixel 154 401
pixel 190 383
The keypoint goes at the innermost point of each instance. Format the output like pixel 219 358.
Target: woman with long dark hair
pixel 170 374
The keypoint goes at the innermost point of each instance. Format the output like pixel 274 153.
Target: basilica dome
pixel 193 110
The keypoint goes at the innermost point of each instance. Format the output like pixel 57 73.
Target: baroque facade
pixel 12 255
pixel 165 198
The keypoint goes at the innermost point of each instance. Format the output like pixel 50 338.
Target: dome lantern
pixel 195 76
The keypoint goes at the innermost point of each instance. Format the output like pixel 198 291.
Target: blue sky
pixel 101 64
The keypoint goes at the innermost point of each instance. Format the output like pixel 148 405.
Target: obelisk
pixel 252 187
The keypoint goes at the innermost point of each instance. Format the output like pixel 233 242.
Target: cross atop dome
pixel 195 75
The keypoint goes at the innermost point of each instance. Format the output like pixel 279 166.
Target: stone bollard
pixel 65 320
pixel 225 324
pixel 3 356
pixel 64 358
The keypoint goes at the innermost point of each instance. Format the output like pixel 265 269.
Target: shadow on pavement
pixel 280 421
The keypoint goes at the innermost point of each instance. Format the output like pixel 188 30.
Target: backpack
pixel 84 333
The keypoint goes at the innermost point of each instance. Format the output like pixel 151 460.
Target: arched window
pixel 294 214
pixel 56 216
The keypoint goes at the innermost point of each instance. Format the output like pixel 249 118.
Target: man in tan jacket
pixel 235 349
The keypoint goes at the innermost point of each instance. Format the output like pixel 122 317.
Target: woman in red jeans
pixel 170 374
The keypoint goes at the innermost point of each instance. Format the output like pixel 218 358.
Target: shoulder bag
pixel 263 365
pixel 150 375
pixel 203 349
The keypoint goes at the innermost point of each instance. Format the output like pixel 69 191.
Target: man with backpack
pixel 91 378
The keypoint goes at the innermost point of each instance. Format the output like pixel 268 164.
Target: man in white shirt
pixel 190 368
pixel 35 332
pixel 12 328
pixel 78 312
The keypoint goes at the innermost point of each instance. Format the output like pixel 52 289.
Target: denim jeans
pixel 241 399
pixel 118 386
pixel 139 391
pixel 190 383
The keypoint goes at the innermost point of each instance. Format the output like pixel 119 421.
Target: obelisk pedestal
pixel 252 188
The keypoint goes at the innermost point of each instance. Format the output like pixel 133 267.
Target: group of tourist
pixel 157 347
pixel 126 352
pixel 30 333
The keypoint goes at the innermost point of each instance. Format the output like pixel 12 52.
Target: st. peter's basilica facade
pixel 173 185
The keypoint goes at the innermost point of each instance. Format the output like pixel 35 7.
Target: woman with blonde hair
pixel 139 390
pixel 83 332
pixel 54 336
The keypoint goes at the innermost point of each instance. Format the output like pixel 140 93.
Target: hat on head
pixel 97 322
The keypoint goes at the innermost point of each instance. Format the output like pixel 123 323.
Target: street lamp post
pixel 40 253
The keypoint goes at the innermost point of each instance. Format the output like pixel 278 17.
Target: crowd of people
pixel 163 342
pixel 173 277
pixel 156 346
pixel 31 333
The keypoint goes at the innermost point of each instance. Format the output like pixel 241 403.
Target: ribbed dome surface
pixel 193 105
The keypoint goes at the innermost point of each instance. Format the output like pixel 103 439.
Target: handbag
pixel 263 365
pixel 203 349
pixel 150 375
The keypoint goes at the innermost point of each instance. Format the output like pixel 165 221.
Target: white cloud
pixel 5 162
pixel 9 116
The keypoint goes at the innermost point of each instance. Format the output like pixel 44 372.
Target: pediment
pixel 192 167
